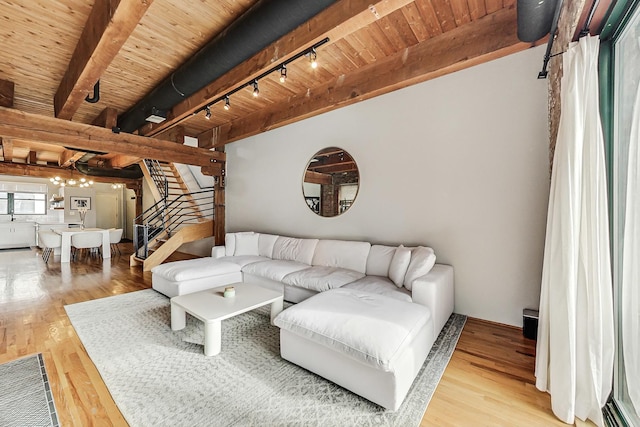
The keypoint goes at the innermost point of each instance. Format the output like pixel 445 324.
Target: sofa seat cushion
pixel 274 269
pixel 371 328
pixel 381 286
pixel 243 260
pixel 321 278
pixel 194 269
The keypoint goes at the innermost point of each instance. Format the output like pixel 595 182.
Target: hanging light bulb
pixel 313 58
pixel 207 114
pixel 256 91
pixel 283 73
pixel 227 103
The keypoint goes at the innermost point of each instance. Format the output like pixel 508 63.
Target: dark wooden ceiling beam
pixel 108 27
pixel 335 168
pixel 7 89
pixel 336 22
pixel 488 38
pixel 37 171
pixel 78 136
pixel 317 178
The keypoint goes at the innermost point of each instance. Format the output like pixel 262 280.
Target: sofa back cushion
pixel 342 254
pixel 399 264
pixel 379 260
pixel 242 243
pixel 293 249
pixel 422 261
pixel 266 243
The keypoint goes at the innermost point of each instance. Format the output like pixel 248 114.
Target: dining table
pixel 66 233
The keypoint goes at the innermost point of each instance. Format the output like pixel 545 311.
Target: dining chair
pixel 115 235
pixel 86 240
pixel 48 241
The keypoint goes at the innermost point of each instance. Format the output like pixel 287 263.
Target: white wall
pixel 459 163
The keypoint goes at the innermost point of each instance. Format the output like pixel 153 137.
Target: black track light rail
pixel 253 81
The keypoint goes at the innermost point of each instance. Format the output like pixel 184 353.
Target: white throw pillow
pixel 399 265
pixel 422 261
pixel 246 244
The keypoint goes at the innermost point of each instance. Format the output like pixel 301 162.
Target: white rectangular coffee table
pixel 212 308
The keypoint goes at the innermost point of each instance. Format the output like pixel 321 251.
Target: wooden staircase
pixel 181 208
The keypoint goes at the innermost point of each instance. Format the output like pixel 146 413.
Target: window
pixel 4 203
pixel 620 54
pixel 23 203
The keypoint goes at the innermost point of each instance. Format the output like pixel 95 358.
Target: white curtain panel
pixel 630 295
pixel 575 348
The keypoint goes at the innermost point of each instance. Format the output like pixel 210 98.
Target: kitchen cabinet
pixel 17 235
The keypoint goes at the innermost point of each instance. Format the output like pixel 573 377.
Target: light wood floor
pixel 489 381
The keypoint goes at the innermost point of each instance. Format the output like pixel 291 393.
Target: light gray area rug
pixel 25 395
pixel 158 379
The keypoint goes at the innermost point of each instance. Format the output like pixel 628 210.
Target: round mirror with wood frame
pixel 331 181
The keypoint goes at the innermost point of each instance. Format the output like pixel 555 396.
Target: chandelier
pixel 82 182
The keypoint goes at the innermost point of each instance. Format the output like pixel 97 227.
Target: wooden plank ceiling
pixel 375 47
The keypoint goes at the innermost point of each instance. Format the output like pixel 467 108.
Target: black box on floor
pixel 530 323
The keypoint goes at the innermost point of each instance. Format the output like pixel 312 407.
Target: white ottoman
pixel 193 275
pixel 367 343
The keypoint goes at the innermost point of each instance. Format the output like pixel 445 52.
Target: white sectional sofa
pixel 367 314
pixel 300 268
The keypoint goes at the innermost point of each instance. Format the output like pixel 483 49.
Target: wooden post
pixel 6 93
pixel 219 206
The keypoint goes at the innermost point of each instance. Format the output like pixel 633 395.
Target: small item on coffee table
pixel 229 292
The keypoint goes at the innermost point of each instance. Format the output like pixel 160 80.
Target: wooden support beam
pixel 33 157
pixel 108 27
pixel 490 37
pixel 336 22
pixel 122 161
pixel 175 134
pixel 215 137
pixel 214 169
pixel 108 118
pixel 19 169
pixel 219 208
pixel 6 93
pixel 317 178
pixel 78 136
pixel 7 149
pixel 67 157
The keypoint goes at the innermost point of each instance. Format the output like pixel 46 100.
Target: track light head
pixel 227 103
pixel 283 73
pixel 313 58
pixel 207 114
pixel 256 91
